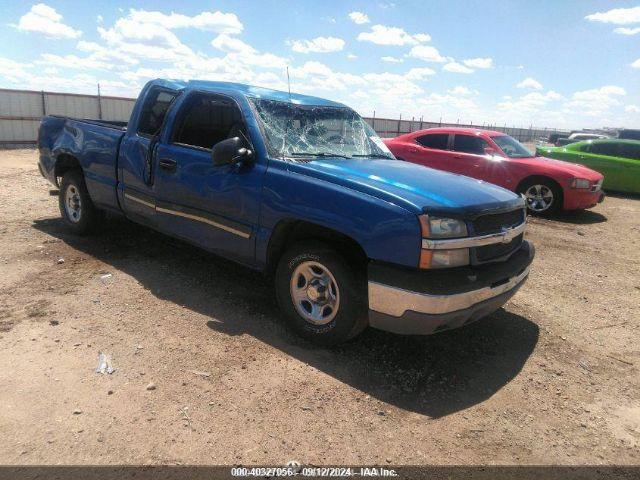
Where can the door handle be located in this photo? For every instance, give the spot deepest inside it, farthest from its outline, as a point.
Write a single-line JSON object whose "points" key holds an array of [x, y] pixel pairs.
{"points": [[457, 156], [168, 164], [413, 150]]}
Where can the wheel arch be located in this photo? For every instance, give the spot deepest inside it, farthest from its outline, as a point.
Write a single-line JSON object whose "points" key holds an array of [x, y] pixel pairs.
{"points": [[288, 231], [64, 163]]}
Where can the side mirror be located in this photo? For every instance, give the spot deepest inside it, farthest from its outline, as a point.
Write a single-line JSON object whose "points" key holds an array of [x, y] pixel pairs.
{"points": [[231, 150]]}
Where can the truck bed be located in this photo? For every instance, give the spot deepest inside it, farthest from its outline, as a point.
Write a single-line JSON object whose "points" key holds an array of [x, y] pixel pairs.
{"points": [[93, 144]]}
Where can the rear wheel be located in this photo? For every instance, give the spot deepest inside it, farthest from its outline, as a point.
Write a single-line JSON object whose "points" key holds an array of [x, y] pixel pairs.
{"points": [[324, 300], [542, 196], [76, 207]]}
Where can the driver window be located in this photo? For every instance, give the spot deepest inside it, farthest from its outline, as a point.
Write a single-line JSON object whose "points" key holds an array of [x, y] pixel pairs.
{"points": [[206, 120], [469, 144]]}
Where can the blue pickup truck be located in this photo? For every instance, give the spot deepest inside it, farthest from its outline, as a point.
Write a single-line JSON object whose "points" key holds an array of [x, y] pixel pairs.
{"points": [[303, 189]]}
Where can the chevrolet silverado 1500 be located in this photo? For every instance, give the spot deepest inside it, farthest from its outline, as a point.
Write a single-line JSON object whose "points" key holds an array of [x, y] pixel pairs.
{"points": [[304, 190]]}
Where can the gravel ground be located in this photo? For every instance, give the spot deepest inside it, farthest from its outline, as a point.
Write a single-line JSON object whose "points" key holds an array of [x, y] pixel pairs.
{"points": [[551, 378]]}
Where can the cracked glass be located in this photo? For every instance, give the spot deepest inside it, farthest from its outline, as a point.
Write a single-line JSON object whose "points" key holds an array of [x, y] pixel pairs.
{"points": [[308, 131]]}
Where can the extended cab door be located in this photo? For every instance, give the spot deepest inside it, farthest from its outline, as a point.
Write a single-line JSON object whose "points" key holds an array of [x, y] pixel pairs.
{"points": [[137, 151], [216, 207]]}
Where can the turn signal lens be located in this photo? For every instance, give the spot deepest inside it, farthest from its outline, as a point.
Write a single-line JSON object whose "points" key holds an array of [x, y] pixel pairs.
{"points": [[444, 258], [580, 183]]}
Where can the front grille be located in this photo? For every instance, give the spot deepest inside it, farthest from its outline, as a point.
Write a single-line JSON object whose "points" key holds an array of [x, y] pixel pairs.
{"points": [[495, 222], [497, 250]]}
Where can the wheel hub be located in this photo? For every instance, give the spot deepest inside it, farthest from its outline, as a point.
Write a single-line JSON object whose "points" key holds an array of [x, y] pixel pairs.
{"points": [[539, 198], [314, 292], [73, 203]]}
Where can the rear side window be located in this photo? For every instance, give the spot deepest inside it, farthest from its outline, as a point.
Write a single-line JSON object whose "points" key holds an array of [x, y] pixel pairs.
{"points": [[206, 120], [628, 150], [469, 144], [154, 110], [438, 141], [609, 149]]}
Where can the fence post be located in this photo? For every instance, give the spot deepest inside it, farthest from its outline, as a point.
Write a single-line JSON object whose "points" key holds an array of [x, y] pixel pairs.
{"points": [[399, 121], [99, 104], [44, 104], [420, 122]]}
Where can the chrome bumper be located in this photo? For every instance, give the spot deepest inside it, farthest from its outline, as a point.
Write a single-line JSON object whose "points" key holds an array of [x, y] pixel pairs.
{"points": [[402, 311]]}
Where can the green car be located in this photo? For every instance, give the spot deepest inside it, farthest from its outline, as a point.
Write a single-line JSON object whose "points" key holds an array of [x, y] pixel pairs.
{"points": [[618, 160]]}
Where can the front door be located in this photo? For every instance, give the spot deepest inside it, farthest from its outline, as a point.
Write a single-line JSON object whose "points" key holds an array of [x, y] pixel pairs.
{"points": [[136, 155], [468, 156], [216, 207]]}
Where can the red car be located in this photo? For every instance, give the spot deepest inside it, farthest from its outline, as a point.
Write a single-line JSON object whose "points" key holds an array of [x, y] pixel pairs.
{"points": [[548, 185]]}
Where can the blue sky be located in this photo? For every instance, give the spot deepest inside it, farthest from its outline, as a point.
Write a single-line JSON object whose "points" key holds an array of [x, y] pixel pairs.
{"points": [[547, 63]]}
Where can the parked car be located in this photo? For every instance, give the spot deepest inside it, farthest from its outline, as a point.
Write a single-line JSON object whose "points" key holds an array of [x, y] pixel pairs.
{"points": [[548, 185], [553, 137], [629, 134], [579, 136], [302, 189], [618, 160]]}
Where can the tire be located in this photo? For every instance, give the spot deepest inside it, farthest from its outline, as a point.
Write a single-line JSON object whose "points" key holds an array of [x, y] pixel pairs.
{"points": [[77, 209], [542, 196], [323, 298]]}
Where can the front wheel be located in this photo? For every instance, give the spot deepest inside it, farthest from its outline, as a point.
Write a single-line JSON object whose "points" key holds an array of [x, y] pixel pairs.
{"points": [[76, 207], [541, 196], [324, 300]]}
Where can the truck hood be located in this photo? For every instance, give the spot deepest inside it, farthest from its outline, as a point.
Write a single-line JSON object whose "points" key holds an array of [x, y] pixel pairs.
{"points": [[559, 166], [412, 186]]}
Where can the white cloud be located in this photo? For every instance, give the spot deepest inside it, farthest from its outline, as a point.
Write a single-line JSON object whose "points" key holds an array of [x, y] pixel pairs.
{"points": [[455, 67], [636, 64], [210, 21], [230, 44], [45, 20], [462, 91], [479, 62], [595, 102], [617, 16], [426, 53], [99, 19], [531, 83], [318, 45], [391, 59], [383, 35], [632, 109], [626, 30], [419, 74], [359, 18], [529, 103], [351, 56]]}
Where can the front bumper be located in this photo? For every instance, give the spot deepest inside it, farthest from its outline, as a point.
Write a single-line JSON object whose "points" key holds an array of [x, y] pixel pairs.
{"points": [[575, 199], [415, 302]]}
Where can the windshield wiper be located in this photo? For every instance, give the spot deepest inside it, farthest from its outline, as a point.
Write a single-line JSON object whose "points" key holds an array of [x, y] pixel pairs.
{"points": [[321, 154], [373, 155]]}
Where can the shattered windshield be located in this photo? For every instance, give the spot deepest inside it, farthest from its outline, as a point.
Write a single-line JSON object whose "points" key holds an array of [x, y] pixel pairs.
{"points": [[299, 131]]}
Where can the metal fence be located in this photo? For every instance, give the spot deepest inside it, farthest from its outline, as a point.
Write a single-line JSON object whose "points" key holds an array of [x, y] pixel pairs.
{"points": [[387, 128], [21, 111]]}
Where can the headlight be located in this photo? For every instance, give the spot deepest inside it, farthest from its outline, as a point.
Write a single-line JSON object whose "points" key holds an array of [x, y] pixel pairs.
{"points": [[444, 258], [442, 228], [580, 183], [434, 227]]}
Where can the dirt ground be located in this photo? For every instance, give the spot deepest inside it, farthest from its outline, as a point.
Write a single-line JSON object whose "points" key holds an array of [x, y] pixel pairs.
{"points": [[551, 378]]}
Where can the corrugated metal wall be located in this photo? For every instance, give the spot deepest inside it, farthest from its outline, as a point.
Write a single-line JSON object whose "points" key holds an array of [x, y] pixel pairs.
{"points": [[21, 110]]}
